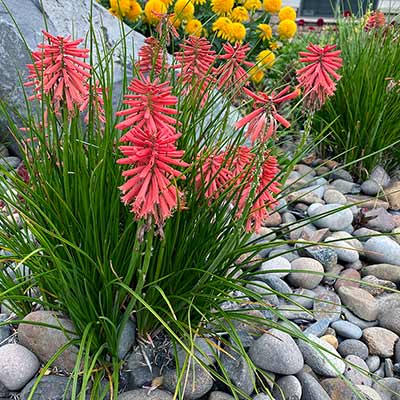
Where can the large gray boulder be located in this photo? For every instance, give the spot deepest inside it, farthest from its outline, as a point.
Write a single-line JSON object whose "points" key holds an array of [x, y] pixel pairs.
{"points": [[62, 18]]}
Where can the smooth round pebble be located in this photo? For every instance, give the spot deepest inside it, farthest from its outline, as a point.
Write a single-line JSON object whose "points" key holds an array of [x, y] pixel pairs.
{"points": [[331, 216], [357, 371], [353, 347], [312, 390], [333, 196], [220, 396], [370, 187], [278, 266], [332, 340], [388, 388], [312, 275], [348, 277], [359, 301], [327, 305], [373, 363], [276, 351], [198, 382], [303, 297], [390, 319], [287, 387], [326, 363], [347, 329], [318, 328], [18, 366], [382, 249], [369, 393], [337, 389], [380, 341]]}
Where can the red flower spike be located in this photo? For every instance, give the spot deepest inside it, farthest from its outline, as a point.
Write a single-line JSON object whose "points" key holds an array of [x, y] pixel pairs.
{"points": [[213, 176], [150, 188], [151, 57], [196, 60], [240, 159], [375, 21], [262, 122], [165, 27], [58, 72], [232, 74], [318, 77], [264, 194], [151, 151], [149, 107]]}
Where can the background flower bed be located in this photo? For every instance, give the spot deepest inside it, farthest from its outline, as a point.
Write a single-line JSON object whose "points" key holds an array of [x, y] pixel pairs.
{"points": [[109, 332]]}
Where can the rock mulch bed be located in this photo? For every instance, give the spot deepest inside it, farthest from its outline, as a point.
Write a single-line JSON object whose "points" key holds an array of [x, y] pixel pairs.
{"points": [[346, 323]]}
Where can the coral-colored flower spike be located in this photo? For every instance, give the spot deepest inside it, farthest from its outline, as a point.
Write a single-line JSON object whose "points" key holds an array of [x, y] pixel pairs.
{"points": [[151, 150], [196, 60], [213, 175], [58, 72], [375, 20], [150, 188], [165, 27], [152, 57], [231, 74], [318, 77], [264, 195], [263, 121], [149, 107]]}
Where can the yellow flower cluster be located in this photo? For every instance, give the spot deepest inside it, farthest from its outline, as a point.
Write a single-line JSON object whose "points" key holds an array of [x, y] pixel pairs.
{"points": [[287, 26], [194, 27], [265, 31], [226, 29], [229, 25], [287, 29], [252, 5], [222, 7], [157, 6], [129, 9], [272, 6], [184, 9]]}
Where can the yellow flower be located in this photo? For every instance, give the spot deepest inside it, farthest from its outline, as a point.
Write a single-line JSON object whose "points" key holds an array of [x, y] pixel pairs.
{"points": [[194, 27], [134, 12], [272, 6], [256, 75], [154, 5], [184, 9], [237, 32], [239, 14], [223, 27], [167, 2], [222, 6], [266, 58], [287, 13], [265, 31], [252, 5], [274, 45], [119, 8], [287, 29], [174, 20]]}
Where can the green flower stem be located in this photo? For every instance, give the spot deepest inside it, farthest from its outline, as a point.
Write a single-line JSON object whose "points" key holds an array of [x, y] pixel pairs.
{"points": [[142, 272]]}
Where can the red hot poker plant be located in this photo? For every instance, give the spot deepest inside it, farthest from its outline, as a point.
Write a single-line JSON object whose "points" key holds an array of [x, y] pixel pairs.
{"points": [[262, 122], [58, 72], [317, 78], [151, 151]]}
